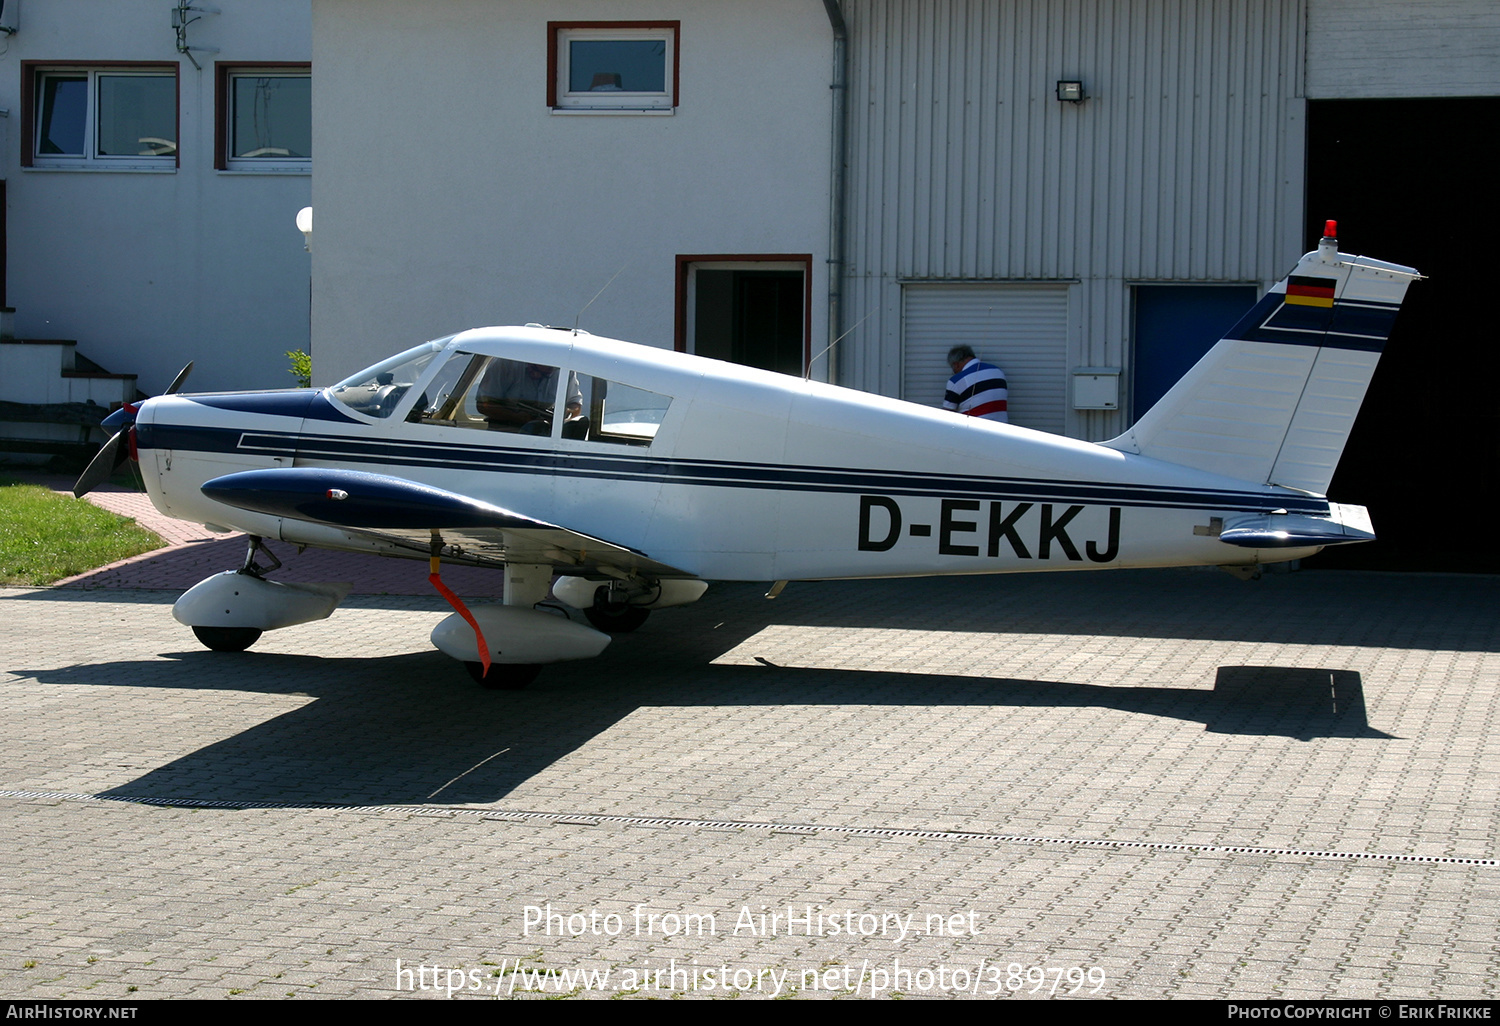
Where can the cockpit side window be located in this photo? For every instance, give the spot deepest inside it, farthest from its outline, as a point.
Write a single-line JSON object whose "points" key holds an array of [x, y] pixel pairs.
{"points": [[497, 394]]}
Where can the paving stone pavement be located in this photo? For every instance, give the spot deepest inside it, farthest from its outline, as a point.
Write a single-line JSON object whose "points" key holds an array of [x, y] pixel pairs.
{"points": [[1189, 785]]}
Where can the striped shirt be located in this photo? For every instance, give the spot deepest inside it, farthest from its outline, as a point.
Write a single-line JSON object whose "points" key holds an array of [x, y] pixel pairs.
{"points": [[979, 390]]}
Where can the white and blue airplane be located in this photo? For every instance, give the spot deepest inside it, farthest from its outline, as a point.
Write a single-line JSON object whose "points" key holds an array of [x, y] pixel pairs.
{"points": [[622, 478]]}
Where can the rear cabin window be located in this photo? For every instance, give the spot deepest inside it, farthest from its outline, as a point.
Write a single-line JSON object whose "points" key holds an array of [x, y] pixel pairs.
{"points": [[623, 414]]}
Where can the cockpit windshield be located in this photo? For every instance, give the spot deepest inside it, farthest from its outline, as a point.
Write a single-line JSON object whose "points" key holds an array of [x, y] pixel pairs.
{"points": [[377, 391]]}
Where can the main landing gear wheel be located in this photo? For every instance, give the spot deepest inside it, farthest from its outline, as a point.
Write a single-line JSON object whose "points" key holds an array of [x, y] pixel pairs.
{"points": [[616, 617], [504, 676], [227, 639]]}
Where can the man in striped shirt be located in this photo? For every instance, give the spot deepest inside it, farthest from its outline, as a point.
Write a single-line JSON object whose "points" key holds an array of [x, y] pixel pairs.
{"points": [[976, 389]]}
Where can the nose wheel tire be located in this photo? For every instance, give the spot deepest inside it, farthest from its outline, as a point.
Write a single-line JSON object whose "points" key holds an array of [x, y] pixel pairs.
{"points": [[227, 639], [504, 676]]}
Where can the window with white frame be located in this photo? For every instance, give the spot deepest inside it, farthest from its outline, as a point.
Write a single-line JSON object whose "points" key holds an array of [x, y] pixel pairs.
{"points": [[613, 66], [265, 118], [116, 117]]}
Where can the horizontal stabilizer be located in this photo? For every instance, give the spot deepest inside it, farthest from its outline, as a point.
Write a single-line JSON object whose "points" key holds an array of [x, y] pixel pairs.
{"points": [[1294, 531], [1274, 400]]}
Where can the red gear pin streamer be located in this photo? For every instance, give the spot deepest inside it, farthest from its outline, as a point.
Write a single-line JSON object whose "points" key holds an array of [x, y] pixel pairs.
{"points": [[462, 610]]}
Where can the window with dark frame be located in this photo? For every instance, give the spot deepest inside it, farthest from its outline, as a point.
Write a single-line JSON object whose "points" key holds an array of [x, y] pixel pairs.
{"points": [[104, 117], [264, 117], [625, 66], [753, 309]]}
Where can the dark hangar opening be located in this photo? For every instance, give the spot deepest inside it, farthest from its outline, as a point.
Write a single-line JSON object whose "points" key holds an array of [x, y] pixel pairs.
{"points": [[1407, 182]]}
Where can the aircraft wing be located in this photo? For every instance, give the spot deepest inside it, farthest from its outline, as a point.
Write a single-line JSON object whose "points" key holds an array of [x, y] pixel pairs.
{"points": [[407, 514]]}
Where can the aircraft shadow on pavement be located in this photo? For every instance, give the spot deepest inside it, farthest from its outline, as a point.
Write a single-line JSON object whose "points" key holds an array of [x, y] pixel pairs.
{"points": [[413, 729], [409, 729]]}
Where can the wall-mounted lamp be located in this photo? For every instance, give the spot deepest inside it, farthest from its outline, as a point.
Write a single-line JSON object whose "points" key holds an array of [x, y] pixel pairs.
{"points": [[1070, 91], [304, 225]]}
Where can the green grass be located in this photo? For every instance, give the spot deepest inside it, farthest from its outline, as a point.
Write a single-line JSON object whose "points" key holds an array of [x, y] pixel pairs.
{"points": [[45, 536]]}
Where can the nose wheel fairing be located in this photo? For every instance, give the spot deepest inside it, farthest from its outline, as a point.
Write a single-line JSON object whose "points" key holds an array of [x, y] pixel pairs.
{"points": [[235, 600]]}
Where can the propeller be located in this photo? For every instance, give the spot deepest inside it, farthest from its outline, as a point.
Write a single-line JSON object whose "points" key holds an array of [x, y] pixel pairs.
{"points": [[113, 453]]}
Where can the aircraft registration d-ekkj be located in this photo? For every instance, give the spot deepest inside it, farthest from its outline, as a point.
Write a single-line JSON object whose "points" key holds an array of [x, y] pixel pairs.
{"points": [[666, 471]]}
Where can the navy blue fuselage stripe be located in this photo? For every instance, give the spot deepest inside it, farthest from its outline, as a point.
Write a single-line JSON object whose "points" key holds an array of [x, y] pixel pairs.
{"points": [[445, 455], [290, 402]]}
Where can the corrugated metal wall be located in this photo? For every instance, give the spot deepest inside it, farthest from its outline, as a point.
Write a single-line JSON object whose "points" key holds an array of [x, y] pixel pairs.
{"points": [[1184, 164]]}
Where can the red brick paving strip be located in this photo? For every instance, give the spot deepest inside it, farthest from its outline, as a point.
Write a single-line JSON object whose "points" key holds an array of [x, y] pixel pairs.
{"points": [[193, 552]]}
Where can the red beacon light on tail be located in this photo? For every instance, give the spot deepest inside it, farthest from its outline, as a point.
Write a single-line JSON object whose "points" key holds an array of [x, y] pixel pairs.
{"points": [[1328, 245]]}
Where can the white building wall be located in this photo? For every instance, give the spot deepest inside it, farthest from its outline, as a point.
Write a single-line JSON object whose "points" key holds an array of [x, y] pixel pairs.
{"points": [[1184, 163], [148, 270], [448, 195], [1381, 49]]}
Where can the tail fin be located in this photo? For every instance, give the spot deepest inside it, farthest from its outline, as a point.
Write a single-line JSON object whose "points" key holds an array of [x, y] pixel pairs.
{"points": [[1274, 400]]}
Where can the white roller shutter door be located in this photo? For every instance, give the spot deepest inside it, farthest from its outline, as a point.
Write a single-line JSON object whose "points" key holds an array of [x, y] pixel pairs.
{"points": [[1022, 329]]}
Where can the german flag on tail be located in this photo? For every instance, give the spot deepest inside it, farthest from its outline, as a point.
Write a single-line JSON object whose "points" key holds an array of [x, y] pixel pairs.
{"points": [[1306, 290]]}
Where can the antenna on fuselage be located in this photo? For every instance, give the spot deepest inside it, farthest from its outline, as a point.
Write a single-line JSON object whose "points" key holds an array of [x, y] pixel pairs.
{"points": [[598, 294], [829, 346]]}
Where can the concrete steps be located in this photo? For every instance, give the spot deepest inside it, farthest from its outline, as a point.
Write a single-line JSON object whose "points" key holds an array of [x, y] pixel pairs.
{"points": [[52, 399]]}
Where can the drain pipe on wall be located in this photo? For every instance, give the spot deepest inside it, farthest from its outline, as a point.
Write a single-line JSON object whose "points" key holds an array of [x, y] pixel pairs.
{"points": [[839, 174]]}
